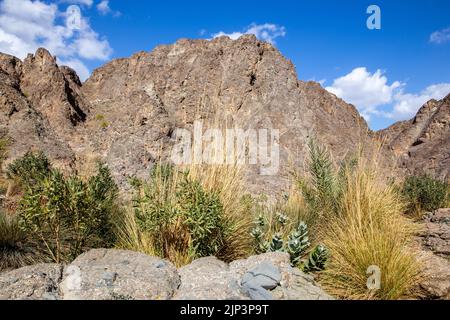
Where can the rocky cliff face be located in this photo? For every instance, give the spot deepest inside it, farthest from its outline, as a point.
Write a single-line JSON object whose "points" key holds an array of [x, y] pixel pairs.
{"points": [[38, 109], [422, 145], [126, 113], [246, 83]]}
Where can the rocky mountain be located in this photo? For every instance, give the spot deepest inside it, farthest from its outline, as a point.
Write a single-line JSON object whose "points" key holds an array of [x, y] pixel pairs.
{"points": [[128, 111], [422, 145]]}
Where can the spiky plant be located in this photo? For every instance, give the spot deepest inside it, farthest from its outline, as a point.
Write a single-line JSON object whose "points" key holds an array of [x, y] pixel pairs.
{"points": [[16, 248], [321, 190]]}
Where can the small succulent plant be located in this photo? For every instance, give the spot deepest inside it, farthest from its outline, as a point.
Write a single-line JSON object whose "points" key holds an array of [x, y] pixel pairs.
{"points": [[296, 244], [317, 260]]}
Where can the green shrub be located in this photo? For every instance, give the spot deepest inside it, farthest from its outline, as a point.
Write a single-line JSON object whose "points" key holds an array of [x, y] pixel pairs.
{"points": [[68, 215], [30, 169], [100, 117], [104, 124], [4, 144], [425, 193], [180, 218]]}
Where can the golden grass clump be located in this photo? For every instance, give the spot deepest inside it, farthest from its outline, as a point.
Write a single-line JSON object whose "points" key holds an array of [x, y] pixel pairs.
{"points": [[370, 229]]}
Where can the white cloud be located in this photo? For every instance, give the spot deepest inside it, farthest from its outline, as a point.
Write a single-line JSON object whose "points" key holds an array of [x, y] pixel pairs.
{"points": [[26, 25], [370, 92], [407, 104], [365, 90], [266, 32], [440, 36], [88, 3], [103, 7]]}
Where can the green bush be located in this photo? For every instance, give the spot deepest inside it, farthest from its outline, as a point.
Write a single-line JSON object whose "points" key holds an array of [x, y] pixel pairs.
{"points": [[30, 169], [67, 215], [4, 144], [182, 220], [425, 193]]}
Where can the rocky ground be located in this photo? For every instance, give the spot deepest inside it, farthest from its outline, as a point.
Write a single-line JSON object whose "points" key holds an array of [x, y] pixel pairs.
{"points": [[435, 240], [103, 274]]}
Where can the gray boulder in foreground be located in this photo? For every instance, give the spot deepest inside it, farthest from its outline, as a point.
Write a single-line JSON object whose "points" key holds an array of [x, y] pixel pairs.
{"points": [[107, 274], [103, 274], [264, 277], [38, 282]]}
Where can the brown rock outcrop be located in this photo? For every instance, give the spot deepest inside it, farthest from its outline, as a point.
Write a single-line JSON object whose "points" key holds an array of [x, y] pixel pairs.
{"points": [[422, 145]]}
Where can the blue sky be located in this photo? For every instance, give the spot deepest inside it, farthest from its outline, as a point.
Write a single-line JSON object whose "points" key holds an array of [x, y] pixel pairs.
{"points": [[388, 74]]}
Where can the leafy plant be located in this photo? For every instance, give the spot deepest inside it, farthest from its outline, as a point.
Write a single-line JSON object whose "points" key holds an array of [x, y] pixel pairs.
{"points": [[104, 124], [272, 237], [4, 144], [179, 219], [425, 193], [30, 169], [202, 213], [317, 260], [68, 215], [298, 243]]}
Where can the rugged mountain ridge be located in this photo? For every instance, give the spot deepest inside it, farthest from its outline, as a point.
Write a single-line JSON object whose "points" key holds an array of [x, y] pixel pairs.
{"points": [[422, 144], [248, 83], [126, 113]]}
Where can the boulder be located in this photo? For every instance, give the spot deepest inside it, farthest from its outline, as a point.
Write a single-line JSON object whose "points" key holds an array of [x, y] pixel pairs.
{"points": [[38, 282], [119, 275], [293, 284], [435, 284], [264, 277], [107, 274], [208, 279], [436, 232]]}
